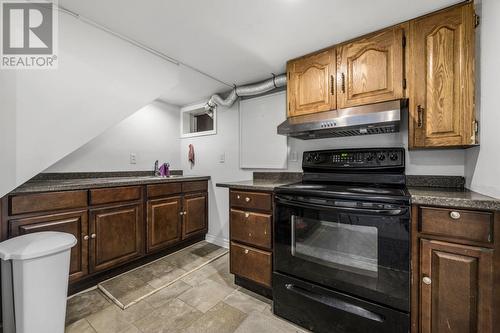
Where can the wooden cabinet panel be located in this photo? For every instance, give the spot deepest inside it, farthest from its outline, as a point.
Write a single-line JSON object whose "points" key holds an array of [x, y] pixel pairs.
{"points": [[250, 263], [198, 186], [251, 228], [370, 70], [455, 288], [470, 225], [40, 202], [311, 83], [251, 200], [159, 190], [441, 79], [75, 223], [117, 194], [116, 235], [163, 223], [195, 219]]}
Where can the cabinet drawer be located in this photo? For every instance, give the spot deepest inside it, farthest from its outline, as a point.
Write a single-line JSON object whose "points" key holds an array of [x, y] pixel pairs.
{"points": [[40, 202], [117, 194], [470, 225], [251, 228], [250, 263], [195, 186], [161, 190], [251, 200]]}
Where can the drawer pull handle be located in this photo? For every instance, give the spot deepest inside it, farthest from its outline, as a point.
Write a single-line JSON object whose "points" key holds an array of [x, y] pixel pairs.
{"points": [[86, 237], [247, 215], [247, 199], [93, 236], [427, 280], [246, 251], [455, 215]]}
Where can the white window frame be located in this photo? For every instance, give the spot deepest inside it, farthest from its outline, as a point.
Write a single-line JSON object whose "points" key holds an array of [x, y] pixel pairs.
{"points": [[190, 108]]}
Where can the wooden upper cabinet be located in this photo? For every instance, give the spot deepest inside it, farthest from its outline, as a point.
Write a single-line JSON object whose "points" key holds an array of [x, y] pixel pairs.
{"points": [[75, 223], [441, 79], [455, 288], [311, 83], [370, 69], [116, 235]]}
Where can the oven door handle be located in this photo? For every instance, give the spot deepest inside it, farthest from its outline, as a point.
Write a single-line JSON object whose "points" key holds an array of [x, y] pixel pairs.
{"points": [[390, 212], [336, 303]]}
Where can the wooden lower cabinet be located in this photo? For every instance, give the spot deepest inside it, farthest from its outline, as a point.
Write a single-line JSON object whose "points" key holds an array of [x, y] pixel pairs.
{"points": [[250, 230], [195, 214], [116, 235], [75, 223], [455, 287], [163, 223], [250, 263]]}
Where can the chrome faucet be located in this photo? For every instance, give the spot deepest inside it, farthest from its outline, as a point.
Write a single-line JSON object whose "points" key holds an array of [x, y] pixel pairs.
{"points": [[157, 169]]}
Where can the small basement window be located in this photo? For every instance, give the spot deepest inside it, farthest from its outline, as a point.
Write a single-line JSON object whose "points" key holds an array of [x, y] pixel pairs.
{"points": [[197, 121]]}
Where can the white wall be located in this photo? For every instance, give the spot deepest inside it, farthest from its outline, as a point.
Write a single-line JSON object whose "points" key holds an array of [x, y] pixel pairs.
{"points": [[152, 133], [208, 150], [483, 163], [7, 130], [100, 81]]}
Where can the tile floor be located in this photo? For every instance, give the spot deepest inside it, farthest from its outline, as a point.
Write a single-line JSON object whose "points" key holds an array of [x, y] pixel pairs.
{"points": [[204, 301]]}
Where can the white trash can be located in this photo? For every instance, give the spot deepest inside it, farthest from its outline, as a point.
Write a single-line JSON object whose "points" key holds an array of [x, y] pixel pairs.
{"points": [[35, 270]]}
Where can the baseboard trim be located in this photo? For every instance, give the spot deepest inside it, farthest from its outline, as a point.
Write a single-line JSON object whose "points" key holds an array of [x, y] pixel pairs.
{"points": [[217, 240]]}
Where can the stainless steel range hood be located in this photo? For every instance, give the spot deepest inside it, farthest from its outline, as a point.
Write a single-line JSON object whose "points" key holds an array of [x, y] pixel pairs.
{"points": [[360, 120]]}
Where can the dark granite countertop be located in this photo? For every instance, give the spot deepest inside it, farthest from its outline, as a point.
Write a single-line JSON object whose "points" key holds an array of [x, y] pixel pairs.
{"points": [[256, 184], [452, 197], [441, 191], [65, 184]]}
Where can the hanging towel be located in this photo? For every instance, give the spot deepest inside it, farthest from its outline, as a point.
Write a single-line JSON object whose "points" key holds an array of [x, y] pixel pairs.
{"points": [[191, 154]]}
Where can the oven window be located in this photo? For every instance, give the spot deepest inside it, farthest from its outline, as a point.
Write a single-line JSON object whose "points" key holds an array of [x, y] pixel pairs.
{"points": [[346, 247]]}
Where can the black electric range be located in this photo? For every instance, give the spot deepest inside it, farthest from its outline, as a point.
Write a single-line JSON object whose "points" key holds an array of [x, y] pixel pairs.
{"points": [[341, 243]]}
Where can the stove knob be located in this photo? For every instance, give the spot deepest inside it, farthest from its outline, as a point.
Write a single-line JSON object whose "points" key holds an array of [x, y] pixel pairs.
{"points": [[308, 158], [381, 157], [316, 158], [393, 156], [370, 157]]}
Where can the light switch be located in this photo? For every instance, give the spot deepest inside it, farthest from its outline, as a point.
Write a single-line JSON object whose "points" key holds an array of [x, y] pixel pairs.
{"points": [[222, 158], [133, 158]]}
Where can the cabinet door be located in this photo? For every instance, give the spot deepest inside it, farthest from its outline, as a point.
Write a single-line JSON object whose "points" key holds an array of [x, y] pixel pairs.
{"points": [[370, 70], [441, 79], [195, 214], [163, 223], [75, 223], [116, 235], [311, 86], [455, 288]]}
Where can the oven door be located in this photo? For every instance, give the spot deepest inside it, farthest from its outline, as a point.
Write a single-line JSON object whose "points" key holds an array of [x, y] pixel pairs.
{"points": [[359, 248]]}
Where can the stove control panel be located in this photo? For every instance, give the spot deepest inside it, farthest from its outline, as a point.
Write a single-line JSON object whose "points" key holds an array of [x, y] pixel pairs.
{"points": [[355, 158]]}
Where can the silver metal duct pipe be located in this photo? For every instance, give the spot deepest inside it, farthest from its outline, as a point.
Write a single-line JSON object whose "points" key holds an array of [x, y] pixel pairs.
{"points": [[248, 90]]}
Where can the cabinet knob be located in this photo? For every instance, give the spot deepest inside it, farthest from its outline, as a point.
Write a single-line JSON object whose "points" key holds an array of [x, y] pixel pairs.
{"points": [[238, 197], [455, 215], [247, 215], [427, 280], [93, 236], [86, 237], [181, 213], [247, 199], [246, 251], [185, 212]]}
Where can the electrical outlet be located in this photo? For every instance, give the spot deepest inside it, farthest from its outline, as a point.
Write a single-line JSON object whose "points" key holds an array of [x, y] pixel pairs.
{"points": [[294, 157], [222, 158], [133, 158]]}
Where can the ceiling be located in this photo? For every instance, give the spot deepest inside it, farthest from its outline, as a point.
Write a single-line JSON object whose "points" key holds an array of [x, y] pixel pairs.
{"points": [[242, 41]]}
